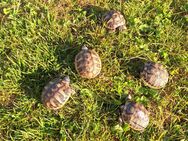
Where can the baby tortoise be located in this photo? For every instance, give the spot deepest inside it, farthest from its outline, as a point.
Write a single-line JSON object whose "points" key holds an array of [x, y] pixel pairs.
{"points": [[88, 63], [135, 115], [114, 20], [154, 75], [56, 93]]}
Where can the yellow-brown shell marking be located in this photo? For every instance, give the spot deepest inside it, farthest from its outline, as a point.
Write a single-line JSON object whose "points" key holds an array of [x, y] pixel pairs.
{"points": [[136, 115], [114, 19], [154, 75], [56, 93], [88, 63]]}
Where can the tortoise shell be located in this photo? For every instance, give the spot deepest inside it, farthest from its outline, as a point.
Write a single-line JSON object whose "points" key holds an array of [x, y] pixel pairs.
{"points": [[135, 115], [114, 20], [154, 75], [56, 93], [88, 63]]}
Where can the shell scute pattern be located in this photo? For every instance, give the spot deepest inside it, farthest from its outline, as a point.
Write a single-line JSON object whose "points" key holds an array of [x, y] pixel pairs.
{"points": [[114, 20], [154, 75], [56, 93], [136, 115], [88, 63]]}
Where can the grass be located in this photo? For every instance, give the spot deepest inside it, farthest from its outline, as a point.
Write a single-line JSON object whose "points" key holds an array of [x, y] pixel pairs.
{"points": [[38, 42]]}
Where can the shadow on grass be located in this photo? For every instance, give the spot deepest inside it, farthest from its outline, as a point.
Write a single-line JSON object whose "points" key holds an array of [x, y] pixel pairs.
{"points": [[95, 12], [87, 20], [134, 66], [33, 83], [65, 52]]}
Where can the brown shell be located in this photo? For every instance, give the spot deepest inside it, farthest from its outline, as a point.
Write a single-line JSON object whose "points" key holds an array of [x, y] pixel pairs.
{"points": [[56, 93], [154, 75], [114, 19], [88, 63], [135, 115]]}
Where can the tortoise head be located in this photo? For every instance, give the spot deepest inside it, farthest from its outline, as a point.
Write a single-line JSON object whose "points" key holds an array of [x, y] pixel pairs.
{"points": [[84, 48], [66, 79]]}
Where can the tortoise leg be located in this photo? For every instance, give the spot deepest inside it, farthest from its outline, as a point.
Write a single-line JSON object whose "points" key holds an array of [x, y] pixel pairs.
{"points": [[121, 28]]}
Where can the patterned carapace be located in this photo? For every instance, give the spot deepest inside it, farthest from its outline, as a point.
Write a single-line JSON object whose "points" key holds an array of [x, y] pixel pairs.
{"points": [[135, 115], [56, 93], [154, 75], [88, 63], [114, 20]]}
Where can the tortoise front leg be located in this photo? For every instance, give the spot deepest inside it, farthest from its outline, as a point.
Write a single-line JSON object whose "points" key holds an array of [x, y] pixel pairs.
{"points": [[121, 28]]}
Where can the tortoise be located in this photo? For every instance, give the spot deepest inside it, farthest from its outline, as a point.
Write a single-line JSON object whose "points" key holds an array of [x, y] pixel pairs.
{"points": [[154, 75], [135, 115], [88, 63], [56, 93], [114, 20]]}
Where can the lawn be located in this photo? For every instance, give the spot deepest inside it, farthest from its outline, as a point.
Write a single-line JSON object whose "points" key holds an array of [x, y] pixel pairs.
{"points": [[38, 42]]}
